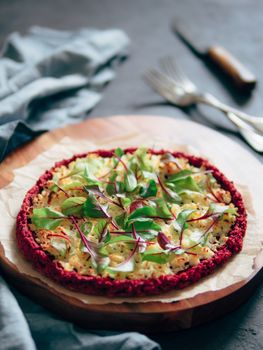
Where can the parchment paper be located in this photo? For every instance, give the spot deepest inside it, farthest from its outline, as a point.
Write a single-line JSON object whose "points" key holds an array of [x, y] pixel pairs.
{"points": [[239, 268]]}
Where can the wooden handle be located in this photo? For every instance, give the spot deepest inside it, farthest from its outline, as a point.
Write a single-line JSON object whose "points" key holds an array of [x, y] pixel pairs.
{"points": [[231, 66]]}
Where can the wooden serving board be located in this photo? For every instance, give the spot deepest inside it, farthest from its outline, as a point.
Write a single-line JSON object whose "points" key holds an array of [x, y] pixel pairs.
{"points": [[152, 316]]}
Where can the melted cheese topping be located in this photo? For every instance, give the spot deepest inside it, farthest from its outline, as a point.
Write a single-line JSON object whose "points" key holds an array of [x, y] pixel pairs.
{"points": [[117, 186]]}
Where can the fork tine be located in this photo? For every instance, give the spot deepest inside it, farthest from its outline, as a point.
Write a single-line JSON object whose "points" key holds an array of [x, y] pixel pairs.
{"points": [[158, 81], [174, 71], [168, 67]]}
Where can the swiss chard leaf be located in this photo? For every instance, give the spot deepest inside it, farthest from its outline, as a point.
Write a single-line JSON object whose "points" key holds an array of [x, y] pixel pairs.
{"points": [[221, 209], [181, 219], [162, 209], [60, 245], [47, 218], [73, 206], [171, 196], [128, 266], [72, 185], [121, 238], [142, 158], [130, 181], [187, 184], [155, 255], [94, 189], [143, 212], [183, 174], [143, 224], [100, 229], [86, 228], [111, 186], [168, 194], [89, 177], [121, 220], [150, 190], [93, 209]]}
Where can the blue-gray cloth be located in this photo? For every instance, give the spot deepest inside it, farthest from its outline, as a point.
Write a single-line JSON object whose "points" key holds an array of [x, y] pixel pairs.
{"points": [[51, 78], [35, 328]]}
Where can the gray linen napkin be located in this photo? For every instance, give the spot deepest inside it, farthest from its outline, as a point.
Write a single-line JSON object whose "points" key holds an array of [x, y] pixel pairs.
{"points": [[51, 78], [33, 328]]}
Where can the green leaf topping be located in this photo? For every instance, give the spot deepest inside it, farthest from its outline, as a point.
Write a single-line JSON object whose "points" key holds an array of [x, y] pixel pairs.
{"points": [[156, 255], [150, 190], [130, 181], [180, 223], [73, 206], [93, 209], [129, 199], [47, 218]]}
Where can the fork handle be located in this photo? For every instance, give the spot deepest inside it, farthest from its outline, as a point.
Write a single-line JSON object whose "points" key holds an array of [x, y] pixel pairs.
{"points": [[240, 75], [246, 121]]}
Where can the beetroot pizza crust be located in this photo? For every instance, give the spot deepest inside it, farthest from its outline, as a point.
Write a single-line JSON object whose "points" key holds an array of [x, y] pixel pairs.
{"points": [[106, 286]]}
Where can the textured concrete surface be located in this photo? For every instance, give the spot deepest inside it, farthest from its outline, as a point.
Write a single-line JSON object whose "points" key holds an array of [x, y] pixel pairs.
{"points": [[237, 25]]}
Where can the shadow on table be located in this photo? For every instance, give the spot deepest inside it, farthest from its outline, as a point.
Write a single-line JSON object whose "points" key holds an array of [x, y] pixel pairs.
{"points": [[241, 329]]}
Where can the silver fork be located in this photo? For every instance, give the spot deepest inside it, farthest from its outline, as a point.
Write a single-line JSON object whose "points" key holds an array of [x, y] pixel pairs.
{"points": [[178, 89], [185, 92]]}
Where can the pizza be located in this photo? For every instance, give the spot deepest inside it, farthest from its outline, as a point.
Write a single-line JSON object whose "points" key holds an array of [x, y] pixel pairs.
{"points": [[131, 222]]}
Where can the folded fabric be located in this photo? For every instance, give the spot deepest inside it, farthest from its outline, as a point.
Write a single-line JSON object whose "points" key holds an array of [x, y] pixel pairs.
{"points": [[51, 78], [48, 332]]}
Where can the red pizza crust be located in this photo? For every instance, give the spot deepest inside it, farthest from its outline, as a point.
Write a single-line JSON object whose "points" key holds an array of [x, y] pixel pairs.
{"points": [[46, 264]]}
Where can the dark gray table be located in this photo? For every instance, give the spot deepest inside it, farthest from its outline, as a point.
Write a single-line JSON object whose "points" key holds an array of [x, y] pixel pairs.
{"points": [[237, 25]]}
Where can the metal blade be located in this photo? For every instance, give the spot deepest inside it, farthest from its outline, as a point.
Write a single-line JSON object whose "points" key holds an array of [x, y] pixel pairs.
{"points": [[190, 37]]}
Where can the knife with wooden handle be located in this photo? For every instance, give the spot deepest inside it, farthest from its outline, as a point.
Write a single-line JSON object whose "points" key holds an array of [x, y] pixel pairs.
{"points": [[230, 65]]}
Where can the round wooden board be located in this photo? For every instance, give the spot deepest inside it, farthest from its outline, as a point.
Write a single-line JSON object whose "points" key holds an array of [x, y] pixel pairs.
{"points": [[154, 316]]}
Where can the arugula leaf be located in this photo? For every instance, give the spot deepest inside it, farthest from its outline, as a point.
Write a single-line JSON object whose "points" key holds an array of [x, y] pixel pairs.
{"points": [[93, 209], [130, 181], [150, 190], [47, 218], [155, 255], [73, 206]]}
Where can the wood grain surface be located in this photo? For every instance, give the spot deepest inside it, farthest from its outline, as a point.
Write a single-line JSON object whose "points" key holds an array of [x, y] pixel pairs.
{"points": [[147, 317]]}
